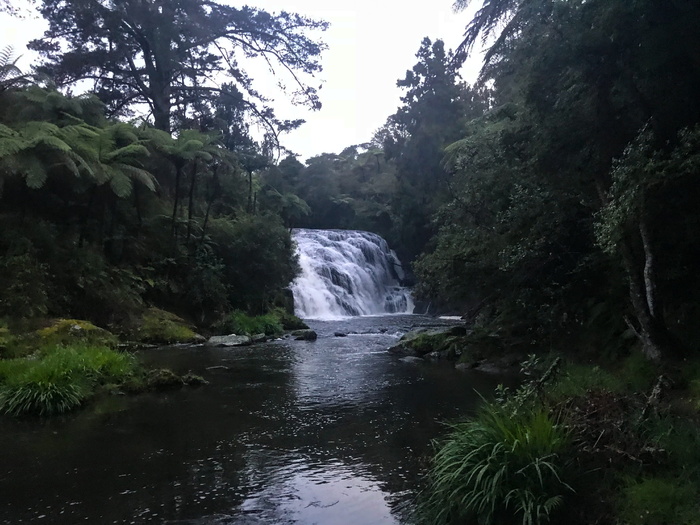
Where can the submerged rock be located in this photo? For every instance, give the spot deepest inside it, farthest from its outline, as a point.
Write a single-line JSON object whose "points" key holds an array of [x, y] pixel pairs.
{"points": [[229, 340], [340, 334], [305, 335]]}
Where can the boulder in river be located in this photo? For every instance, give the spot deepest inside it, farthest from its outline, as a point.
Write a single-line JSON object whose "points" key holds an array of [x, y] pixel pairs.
{"points": [[305, 335], [258, 338], [340, 334], [229, 340]]}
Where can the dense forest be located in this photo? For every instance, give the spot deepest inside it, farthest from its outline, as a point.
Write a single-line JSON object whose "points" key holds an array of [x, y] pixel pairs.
{"points": [[553, 202]]}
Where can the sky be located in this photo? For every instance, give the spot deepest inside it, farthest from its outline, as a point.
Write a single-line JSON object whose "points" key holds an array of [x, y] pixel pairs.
{"points": [[371, 45]]}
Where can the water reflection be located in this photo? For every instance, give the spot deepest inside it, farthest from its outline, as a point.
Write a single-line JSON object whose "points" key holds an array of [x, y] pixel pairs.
{"points": [[335, 431]]}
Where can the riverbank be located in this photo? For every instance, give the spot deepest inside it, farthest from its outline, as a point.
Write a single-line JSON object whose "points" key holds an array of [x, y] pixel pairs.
{"points": [[614, 441], [50, 367]]}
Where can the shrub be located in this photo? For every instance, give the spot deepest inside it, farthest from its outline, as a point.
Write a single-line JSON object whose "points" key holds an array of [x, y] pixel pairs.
{"points": [[289, 321], [498, 467], [241, 323]]}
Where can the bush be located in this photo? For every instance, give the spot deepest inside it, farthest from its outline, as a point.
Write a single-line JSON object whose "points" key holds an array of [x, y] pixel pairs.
{"points": [[60, 379], [241, 323], [289, 321], [496, 468]]}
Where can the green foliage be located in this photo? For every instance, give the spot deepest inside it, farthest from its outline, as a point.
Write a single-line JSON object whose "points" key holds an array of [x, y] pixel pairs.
{"points": [[60, 378], [23, 284], [239, 322], [660, 501], [184, 39], [499, 468], [288, 321], [258, 258]]}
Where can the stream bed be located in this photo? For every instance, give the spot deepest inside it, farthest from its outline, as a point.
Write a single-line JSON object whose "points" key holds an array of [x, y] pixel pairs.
{"points": [[331, 432]]}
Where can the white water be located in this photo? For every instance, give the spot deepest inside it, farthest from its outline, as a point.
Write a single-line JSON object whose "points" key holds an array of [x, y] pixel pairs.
{"points": [[347, 273]]}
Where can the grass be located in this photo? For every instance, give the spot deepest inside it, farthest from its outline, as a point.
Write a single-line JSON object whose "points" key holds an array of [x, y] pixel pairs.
{"points": [[498, 468], [660, 501], [60, 378], [576, 380]]}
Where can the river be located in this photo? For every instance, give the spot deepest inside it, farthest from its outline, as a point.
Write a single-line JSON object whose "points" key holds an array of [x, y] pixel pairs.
{"points": [[330, 432]]}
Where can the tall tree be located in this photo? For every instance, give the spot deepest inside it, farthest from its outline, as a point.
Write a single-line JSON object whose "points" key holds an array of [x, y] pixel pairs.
{"points": [[172, 53]]}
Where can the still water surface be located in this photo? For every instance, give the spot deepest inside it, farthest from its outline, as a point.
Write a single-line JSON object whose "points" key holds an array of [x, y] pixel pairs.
{"points": [[331, 432]]}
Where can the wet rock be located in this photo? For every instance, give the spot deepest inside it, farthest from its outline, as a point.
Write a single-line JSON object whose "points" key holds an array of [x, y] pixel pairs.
{"points": [[229, 340], [459, 330], [305, 335], [258, 338], [163, 378], [340, 334], [490, 368], [194, 380]]}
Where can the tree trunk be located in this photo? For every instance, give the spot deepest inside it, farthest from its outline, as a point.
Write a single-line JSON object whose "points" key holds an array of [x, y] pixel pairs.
{"points": [[210, 200], [657, 341], [161, 105], [250, 191], [190, 202], [173, 223]]}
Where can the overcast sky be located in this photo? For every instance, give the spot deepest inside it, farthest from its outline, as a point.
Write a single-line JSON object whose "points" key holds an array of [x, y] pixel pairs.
{"points": [[371, 44]]}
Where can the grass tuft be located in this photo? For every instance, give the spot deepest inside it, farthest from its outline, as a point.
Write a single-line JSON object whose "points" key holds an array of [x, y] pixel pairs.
{"points": [[497, 467], [59, 379]]}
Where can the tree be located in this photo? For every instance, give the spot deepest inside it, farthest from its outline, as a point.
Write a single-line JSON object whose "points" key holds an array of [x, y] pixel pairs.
{"points": [[168, 54], [435, 105]]}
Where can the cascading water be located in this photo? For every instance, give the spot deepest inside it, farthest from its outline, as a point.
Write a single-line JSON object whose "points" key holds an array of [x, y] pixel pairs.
{"points": [[346, 273]]}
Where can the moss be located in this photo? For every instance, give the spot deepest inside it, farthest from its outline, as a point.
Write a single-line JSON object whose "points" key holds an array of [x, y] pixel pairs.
{"points": [[69, 331], [161, 327], [163, 378]]}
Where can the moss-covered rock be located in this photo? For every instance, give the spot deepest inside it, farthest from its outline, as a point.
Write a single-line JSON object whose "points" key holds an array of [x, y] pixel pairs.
{"points": [[160, 327], [69, 331], [163, 378]]}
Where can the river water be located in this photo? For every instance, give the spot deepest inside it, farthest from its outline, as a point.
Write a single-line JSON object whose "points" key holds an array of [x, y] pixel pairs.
{"points": [[330, 432]]}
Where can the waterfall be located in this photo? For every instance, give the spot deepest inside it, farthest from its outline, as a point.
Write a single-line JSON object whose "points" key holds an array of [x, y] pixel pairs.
{"points": [[346, 273]]}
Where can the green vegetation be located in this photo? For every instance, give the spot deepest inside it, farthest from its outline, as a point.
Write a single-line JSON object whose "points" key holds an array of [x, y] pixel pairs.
{"points": [[497, 468], [659, 501], [60, 378], [273, 323]]}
